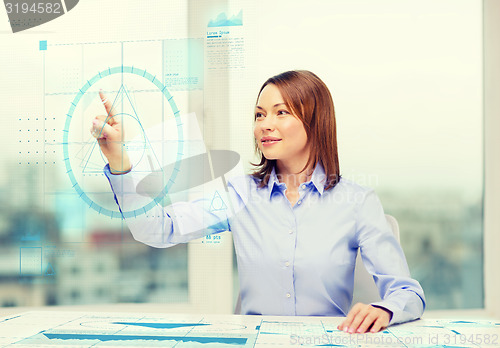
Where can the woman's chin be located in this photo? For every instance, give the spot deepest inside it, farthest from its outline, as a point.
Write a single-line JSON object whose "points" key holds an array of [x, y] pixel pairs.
{"points": [[270, 156]]}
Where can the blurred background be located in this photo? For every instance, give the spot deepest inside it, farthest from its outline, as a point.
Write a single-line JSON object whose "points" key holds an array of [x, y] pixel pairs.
{"points": [[407, 82]]}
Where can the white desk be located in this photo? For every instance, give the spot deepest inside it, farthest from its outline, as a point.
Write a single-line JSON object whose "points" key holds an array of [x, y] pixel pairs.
{"points": [[86, 329]]}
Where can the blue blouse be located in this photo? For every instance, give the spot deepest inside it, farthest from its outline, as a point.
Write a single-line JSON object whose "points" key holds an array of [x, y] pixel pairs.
{"points": [[292, 260]]}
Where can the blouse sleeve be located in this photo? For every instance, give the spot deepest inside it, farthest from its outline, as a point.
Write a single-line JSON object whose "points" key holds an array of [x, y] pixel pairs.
{"points": [[384, 259], [163, 227]]}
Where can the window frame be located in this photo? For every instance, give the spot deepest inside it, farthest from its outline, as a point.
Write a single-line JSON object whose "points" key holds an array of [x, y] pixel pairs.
{"points": [[491, 91]]}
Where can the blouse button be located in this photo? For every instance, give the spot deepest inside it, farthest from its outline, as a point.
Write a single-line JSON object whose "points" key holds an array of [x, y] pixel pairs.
{"points": [[290, 231], [287, 263], [304, 187], [299, 202], [288, 295]]}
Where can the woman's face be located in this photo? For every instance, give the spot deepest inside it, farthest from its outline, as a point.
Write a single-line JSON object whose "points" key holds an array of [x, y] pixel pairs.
{"points": [[280, 135]]}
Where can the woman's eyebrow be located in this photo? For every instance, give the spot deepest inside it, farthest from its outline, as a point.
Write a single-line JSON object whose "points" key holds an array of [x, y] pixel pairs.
{"points": [[275, 105]]}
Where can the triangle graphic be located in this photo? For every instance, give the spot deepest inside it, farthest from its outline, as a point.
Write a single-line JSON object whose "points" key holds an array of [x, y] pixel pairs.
{"points": [[90, 157], [49, 271], [217, 203]]}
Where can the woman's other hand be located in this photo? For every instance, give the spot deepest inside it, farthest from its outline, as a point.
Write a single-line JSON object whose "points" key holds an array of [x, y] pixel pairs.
{"points": [[108, 129], [365, 318]]}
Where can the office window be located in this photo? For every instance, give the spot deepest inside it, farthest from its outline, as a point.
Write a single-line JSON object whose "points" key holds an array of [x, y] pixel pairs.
{"points": [[55, 248], [406, 79]]}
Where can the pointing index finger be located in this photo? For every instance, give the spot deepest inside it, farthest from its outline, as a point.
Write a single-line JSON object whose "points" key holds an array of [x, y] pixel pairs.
{"points": [[107, 104]]}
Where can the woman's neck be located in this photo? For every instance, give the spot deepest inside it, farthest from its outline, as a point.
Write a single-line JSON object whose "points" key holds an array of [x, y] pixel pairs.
{"points": [[292, 174]]}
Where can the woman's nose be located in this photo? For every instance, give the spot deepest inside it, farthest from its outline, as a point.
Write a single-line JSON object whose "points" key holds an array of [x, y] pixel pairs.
{"points": [[267, 123]]}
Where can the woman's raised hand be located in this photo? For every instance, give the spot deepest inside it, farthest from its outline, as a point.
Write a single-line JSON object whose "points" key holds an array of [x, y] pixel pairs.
{"points": [[108, 129]]}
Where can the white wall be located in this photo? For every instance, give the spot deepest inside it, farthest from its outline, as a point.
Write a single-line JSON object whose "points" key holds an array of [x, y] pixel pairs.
{"points": [[492, 155]]}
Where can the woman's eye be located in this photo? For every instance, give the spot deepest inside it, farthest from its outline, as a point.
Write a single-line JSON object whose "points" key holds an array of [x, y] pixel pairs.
{"points": [[258, 115], [283, 112]]}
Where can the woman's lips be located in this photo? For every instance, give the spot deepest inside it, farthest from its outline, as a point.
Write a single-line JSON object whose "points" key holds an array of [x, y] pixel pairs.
{"points": [[270, 142]]}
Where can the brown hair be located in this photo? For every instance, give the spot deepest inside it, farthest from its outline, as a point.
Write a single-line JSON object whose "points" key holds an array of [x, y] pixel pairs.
{"points": [[310, 100]]}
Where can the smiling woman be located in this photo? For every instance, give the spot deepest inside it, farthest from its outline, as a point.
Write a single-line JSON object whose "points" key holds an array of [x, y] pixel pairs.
{"points": [[297, 108], [279, 134], [296, 256]]}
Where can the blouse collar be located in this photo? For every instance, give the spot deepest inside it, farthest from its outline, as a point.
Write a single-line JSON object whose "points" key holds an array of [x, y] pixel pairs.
{"points": [[318, 180]]}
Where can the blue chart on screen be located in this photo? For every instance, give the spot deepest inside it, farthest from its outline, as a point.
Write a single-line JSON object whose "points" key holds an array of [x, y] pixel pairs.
{"points": [[80, 329], [69, 170], [110, 338]]}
